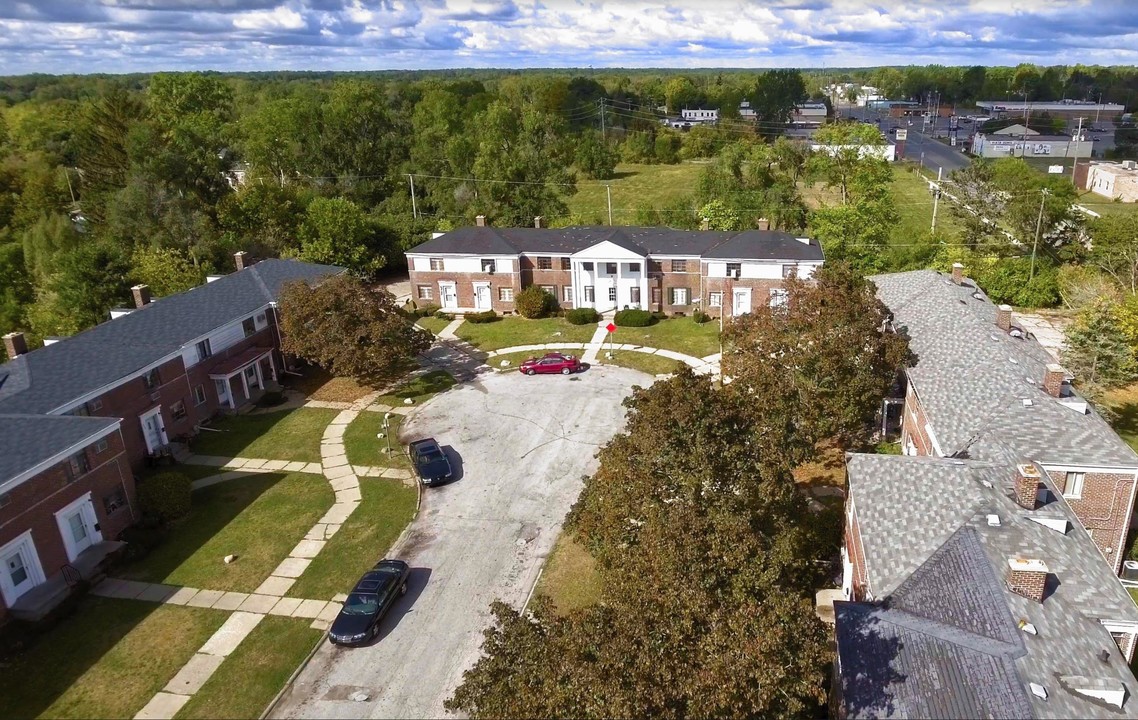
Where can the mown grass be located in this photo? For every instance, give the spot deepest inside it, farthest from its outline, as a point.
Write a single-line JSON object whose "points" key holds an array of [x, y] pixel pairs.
{"points": [[570, 578], [255, 672], [107, 660], [418, 389], [363, 447], [319, 384], [258, 518], [292, 435], [635, 187], [1106, 206], [511, 331], [434, 324], [651, 364], [683, 335]]}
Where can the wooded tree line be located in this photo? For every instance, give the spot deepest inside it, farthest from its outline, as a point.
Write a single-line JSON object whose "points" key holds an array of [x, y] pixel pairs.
{"points": [[707, 553]]}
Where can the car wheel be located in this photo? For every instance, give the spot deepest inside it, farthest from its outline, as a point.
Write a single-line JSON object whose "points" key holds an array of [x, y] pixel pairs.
{"points": [[530, 371], [403, 589], [565, 371]]}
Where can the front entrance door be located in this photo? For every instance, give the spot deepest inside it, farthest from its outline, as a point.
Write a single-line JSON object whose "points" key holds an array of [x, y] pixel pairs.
{"points": [[741, 304], [251, 376], [482, 297], [153, 430], [75, 525], [17, 573], [79, 526], [449, 295]]}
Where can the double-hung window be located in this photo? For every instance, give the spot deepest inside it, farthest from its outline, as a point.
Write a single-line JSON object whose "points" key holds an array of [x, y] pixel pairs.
{"points": [[1075, 482], [545, 263], [248, 326], [204, 350]]}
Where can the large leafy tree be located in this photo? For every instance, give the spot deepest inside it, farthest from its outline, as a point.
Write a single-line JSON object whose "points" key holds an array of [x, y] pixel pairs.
{"points": [[776, 93], [1098, 352], [821, 363], [349, 329], [336, 232], [1114, 248]]}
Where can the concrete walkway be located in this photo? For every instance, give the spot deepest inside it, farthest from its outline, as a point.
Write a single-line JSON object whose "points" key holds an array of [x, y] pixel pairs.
{"points": [[594, 345]]}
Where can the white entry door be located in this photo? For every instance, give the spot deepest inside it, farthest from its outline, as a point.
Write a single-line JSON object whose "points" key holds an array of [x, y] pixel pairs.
{"points": [[153, 430], [482, 297], [19, 568], [79, 526], [741, 301], [448, 294]]}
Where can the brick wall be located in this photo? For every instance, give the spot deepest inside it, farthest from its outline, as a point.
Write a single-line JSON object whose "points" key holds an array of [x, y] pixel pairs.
{"points": [[760, 292], [661, 280], [913, 425], [33, 504], [556, 277], [464, 286], [856, 554], [1102, 509], [199, 374]]}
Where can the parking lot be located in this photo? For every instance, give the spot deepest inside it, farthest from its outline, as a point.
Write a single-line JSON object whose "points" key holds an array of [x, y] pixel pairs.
{"points": [[520, 446]]}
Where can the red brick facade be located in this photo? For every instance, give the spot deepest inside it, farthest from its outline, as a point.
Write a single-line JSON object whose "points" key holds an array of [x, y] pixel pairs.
{"points": [[1103, 507], [915, 438], [856, 554], [32, 504]]}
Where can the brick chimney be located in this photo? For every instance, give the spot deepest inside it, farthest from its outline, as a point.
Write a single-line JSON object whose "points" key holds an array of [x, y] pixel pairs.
{"points": [[1027, 577], [539, 222], [480, 221], [764, 224], [1003, 316], [141, 295], [15, 344], [1027, 485], [241, 259], [705, 224], [1053, 377], [958, 273]]}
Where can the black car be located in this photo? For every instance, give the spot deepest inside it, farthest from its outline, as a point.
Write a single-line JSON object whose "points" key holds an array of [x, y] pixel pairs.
{"points": [[431, 463], [369, 601]]}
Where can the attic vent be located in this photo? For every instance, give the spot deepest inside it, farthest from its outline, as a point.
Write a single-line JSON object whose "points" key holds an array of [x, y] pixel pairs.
{"points": [[1104, 655], [978, 296], [994, 337], [1027, 402], [1016, 333], [1013, 361], [993, 520], [1077, 404], [1028, 627], [1111, 692], [1057, 523], [1038, 690]]}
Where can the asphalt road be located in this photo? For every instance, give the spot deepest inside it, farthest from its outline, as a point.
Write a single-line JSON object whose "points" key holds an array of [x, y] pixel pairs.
{"points": [[522, 445]]}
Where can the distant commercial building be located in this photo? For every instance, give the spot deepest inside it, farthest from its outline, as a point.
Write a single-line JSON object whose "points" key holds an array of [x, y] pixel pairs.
{"points": [[700, 116], [1069, 109], [1018, 141], [811, 113], [1115, 180]]}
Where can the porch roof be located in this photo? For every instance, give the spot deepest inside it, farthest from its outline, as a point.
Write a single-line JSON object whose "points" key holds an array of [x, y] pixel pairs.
{"points": [[231, 366]]}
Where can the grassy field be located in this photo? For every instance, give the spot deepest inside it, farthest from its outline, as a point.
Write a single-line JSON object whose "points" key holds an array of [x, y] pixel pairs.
{"points": [[250, 678], [651, 364], [570, 578], [285, 435], [105, 661], [915, 208], [1124, 402], [682, 335], [258, 518], [511, 331], [1104, 206], [386, 508], [634, 187], [434, 324], [418, 389], [364, 448]]}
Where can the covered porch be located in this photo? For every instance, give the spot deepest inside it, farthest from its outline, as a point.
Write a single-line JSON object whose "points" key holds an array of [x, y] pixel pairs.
{"points": [[610, 275], [250, 368], [86, 569]]}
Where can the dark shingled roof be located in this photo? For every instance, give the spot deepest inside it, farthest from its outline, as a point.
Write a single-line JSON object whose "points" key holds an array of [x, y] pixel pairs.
{"points": [[28, 440], [46, 379], [747, 245]]}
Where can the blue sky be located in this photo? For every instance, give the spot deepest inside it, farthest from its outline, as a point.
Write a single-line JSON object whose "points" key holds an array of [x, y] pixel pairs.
{"points": [[61, 36]]}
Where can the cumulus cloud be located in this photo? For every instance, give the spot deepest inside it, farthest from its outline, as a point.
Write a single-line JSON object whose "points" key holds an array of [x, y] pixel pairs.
{"points": [[147, 35]]}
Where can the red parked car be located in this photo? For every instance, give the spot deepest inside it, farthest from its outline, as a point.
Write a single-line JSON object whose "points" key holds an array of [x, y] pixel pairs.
{"points": [[551, 363]]}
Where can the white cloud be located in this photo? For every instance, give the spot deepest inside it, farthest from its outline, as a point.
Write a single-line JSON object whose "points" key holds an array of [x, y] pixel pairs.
{"points": [[280, 18]]}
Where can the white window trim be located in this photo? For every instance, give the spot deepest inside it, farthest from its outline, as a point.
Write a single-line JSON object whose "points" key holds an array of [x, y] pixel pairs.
{"points": [[715, 299], [26, 545], [87, 507], [1070, 494], [567, 294]]}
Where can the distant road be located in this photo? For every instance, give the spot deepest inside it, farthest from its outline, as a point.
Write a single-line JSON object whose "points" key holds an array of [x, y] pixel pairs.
{"points": [[936, 154]]}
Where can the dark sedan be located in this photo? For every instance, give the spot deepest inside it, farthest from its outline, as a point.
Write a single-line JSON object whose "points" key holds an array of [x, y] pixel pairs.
{"points": [[369, 601], [551, 363], [431, 463]]}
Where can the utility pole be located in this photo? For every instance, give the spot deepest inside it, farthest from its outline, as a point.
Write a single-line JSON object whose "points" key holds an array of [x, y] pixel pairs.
{"points": [[414, 209], [1038, 227], [603, 119], [1075, 158], [936, 197], [1098, 109], [608, 194]]}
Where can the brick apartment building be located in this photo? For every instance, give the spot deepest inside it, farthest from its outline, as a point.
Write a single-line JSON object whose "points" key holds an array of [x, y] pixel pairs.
{"points": [[659, 269], [81, 414]]}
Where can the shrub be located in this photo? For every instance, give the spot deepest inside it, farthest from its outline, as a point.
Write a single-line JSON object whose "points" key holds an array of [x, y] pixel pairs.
{"points": [[166, 496], [660, 315], [443, 315], [487, 316], [428, 310], [700, 317], [582, 316], [533, 302], [634, 318], [141, 538]]}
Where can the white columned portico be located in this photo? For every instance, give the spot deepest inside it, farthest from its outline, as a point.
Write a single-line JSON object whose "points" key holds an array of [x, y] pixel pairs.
{"points": [[617, 286]]}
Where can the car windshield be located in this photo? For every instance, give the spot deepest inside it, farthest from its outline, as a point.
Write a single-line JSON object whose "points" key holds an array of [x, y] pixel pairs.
{"points": [[357, 604]]}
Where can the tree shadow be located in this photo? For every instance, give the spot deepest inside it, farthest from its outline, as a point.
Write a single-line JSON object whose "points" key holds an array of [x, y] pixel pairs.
{"points": [[868, 649]]}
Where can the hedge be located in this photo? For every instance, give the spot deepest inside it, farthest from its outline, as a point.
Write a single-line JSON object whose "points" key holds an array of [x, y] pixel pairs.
{"points": [[478, 318], [533, 302], [633, 318], [165, 496], [582, 316]]}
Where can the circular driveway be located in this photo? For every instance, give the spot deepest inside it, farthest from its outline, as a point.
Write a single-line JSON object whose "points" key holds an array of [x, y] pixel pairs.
{"points": [[520, 446]]}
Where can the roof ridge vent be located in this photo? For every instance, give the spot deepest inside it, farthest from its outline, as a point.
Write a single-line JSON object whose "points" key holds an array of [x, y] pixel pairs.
{"points": [[1054, 521], [1109, 691], [1075, 403], [993, 520], [1027, 627]]}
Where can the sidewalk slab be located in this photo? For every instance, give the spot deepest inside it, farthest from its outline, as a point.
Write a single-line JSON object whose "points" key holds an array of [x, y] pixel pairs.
{"points": [[307, 549], [205, 598], [334, 461], [349, 495], [338, 513], [330, 611], [230, 601], [211, 460], [310, 609], [274, 585], [157, 593], [258, 604], [182, 596], [194, 674], [291, 567], [345, 481], [295, 467], [313, 468], [255, 464], [285, 606], [162, 706], [275, 465], [334, 470], [235, 629]]}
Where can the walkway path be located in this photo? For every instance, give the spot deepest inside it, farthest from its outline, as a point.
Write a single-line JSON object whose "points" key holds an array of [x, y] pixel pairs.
{"points": [[250, 608]]}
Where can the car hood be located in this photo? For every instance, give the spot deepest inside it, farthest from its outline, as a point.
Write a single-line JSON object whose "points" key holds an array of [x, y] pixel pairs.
{"points": [[348, 625], [435, 468]]}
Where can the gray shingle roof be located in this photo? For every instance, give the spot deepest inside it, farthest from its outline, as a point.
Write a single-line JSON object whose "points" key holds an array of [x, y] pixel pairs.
{"points": [[750, 244], [931, 557], [45, 379], [28, 440], [972, 378]]}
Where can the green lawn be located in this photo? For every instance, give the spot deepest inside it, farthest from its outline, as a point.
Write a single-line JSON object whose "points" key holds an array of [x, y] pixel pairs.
{"points": [[570, 578], [434, 324], [418, 389], [1105, 206], [259, 519], [285, 435], [682, 335], [915, 208], [364, 448], [105, 661], [651, 364], [387, 507], [193, 472], [511, 331], [250, 678], [1124, 402], [634, 187]]}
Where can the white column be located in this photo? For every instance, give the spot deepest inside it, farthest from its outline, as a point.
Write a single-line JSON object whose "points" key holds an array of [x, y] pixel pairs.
{"points": [[260, 376], [645, 297], [229, 393], [244, 383]]}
